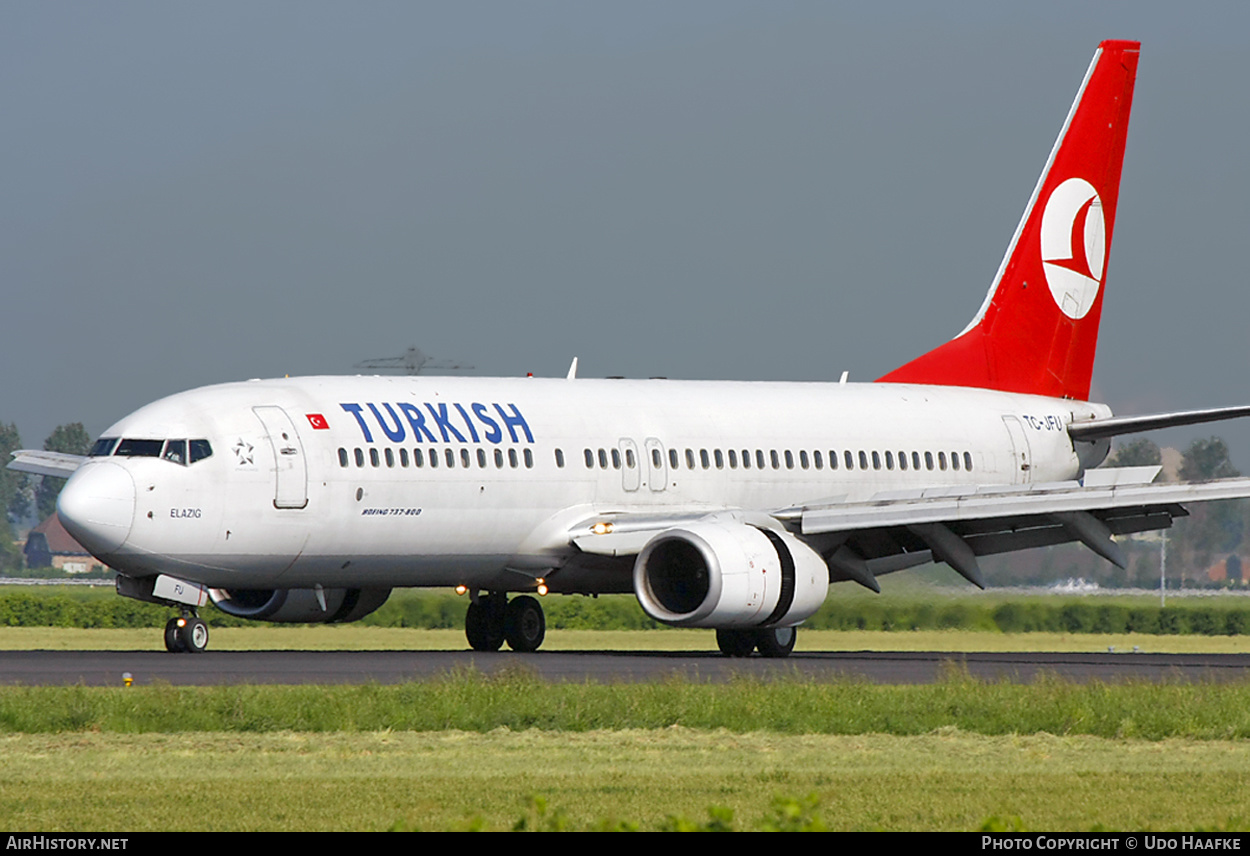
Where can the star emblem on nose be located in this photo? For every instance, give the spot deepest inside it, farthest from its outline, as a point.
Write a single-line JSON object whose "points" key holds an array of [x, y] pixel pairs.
{"points": [[243, 451]]}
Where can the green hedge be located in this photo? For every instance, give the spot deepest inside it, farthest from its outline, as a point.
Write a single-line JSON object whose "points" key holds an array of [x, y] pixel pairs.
{"points": [[423, 609]]}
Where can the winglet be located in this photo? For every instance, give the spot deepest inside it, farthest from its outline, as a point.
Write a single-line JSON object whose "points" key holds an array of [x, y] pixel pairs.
{"points": [[1037, 330]]}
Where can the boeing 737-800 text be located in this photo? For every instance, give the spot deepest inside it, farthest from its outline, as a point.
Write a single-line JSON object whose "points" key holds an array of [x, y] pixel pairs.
{"points": [[723, 505]]}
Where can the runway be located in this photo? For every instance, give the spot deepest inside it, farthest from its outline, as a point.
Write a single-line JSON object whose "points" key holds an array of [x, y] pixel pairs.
{"points": [[105, 668]]}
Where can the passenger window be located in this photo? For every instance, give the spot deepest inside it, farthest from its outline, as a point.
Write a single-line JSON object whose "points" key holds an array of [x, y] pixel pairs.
{"points": [[603, 460], [746, 459], [690, 459], [512, 462], [889, 460], [928, 460], [342, 457], [657, 460], [418, 458], [954, 460], [559, 458], [803, 458], [499, 459], [942, 461], [629, 459], [902, 460], [863, 460], [433, 458], [876, 460], [450, 455], [590, 459], [915, 461], [704, 459], [789, 460], [776, 461], [968, 461], [390, 458], [849, 459], [529, 459], [360, 458], [464, 458], [374, 458], [720, 459], [816, 459], [833, 459], [672, 458], [616, 459], [481, 459], [733, 459], [759, 459], [403, 458]]}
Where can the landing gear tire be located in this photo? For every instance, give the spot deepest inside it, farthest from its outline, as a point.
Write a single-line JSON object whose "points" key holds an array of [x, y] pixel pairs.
{"points": [[776, 642], [194, 636], [172, 643], [483, 625], [524, 625], [735, 643]]}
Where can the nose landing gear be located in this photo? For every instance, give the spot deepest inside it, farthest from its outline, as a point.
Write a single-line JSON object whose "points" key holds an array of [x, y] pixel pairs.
{"points": [[186, 634]]}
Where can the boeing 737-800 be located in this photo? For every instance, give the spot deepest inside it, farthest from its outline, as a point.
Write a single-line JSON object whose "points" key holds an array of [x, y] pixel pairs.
{"points": [[722, 505]]}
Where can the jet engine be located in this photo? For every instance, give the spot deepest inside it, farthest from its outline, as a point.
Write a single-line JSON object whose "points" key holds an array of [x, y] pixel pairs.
{"points": [[311, 606], [729, 575]]}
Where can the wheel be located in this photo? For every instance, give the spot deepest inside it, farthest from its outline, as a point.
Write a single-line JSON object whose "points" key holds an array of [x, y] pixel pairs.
{"points": [[524, 624], [193, 635], [735, 643], [482, 627], [776, 641], [173, 644]]}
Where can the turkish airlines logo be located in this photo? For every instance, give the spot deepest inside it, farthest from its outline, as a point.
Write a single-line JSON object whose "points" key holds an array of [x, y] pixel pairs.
{"points": [[1074, 246]]}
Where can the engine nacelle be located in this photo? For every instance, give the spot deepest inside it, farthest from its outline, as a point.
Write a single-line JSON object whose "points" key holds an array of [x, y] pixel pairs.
{"points": [[299, 605], [729, 575]]}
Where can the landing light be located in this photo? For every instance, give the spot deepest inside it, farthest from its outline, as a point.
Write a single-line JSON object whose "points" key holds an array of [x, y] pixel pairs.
{"points": [[461, 589], [602, 529]]}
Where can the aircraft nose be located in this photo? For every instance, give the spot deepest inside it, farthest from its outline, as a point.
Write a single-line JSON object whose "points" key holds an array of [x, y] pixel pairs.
{"points": [[97, 506]]}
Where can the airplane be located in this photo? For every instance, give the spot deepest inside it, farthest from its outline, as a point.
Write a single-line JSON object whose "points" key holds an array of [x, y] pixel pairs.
{"points": [[724, 505]]}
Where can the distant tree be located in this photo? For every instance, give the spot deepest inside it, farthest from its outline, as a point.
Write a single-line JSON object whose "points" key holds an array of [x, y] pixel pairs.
{"points": [[1207, 459], [1142, 452], [1212, 527], [71, 439], [11, 482]]}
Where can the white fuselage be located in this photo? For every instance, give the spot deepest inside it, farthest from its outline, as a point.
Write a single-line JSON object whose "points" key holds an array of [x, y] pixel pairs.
{"points": [[413, 481]]}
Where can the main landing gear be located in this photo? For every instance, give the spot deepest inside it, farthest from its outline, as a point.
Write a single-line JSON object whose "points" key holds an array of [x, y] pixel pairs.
{"points": [[774, 642], [493, 619], [186, 634]]}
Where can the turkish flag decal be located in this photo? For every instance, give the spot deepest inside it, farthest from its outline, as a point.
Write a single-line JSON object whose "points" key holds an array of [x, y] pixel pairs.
{"points": [[318, 421]]}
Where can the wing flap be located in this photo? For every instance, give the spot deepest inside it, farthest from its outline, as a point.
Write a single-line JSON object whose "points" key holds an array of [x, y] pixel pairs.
{"points": [[41, 463]]}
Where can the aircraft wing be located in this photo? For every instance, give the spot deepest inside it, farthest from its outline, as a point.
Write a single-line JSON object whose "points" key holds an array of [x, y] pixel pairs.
{"points": [[902, 529], [43, 463]]}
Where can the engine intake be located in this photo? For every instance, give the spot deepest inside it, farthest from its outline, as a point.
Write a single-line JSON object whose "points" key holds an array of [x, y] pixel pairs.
{"points": [[729, 575]]}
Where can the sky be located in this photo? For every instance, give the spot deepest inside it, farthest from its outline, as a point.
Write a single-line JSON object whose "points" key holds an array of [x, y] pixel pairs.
{"points": [[203, 192]]}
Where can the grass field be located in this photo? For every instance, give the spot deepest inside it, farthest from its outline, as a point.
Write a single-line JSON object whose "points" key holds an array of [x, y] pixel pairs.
{"points": [[457, 780], [356, 637]]}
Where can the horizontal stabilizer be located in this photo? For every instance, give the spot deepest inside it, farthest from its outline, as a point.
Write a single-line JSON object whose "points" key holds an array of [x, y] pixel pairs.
{"points": [[43, 463], [1099, 429]]}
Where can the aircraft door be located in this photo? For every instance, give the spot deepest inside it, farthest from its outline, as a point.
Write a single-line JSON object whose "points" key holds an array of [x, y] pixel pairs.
{"points": [[631, 469], [290, 468], [657, 469], [1022, 455]]}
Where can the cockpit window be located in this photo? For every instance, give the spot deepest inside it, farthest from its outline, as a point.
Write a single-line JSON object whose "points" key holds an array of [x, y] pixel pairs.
{"points": [[175, 451], [103, 447], [200, 449], [139, 448]]}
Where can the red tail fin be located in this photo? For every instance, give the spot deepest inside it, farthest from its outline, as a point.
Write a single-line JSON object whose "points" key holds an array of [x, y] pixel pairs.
{"points": [[1038, 328]]}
